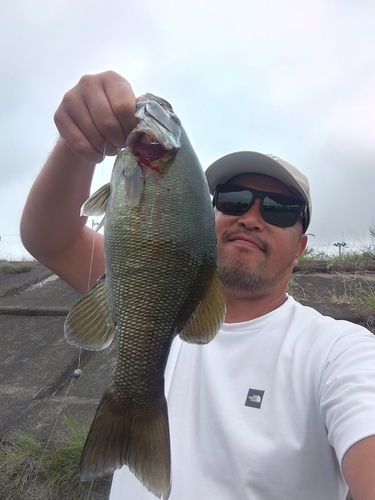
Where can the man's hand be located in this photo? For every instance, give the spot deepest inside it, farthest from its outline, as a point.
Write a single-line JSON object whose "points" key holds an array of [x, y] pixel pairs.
{"points": [[95, 117]]}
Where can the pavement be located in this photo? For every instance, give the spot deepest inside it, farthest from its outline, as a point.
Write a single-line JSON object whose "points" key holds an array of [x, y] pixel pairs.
{"points": [[36, 384], [331, 290]]}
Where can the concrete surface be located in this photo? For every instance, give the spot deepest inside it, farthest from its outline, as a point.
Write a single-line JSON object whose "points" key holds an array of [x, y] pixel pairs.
{"points": [[37, 387], [36, 384]]}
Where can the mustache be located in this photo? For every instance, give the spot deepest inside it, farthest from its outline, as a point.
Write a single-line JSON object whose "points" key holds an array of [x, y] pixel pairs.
{"points": [[246, 234]]}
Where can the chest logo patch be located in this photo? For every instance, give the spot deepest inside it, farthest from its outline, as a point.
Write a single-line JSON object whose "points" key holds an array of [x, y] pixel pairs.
{"points": [[254, 398]]}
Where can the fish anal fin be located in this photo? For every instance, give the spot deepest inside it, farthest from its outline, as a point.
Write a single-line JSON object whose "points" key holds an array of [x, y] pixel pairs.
{"points": [[208, 318], [89, 323], [97, 203], [126, 433]]}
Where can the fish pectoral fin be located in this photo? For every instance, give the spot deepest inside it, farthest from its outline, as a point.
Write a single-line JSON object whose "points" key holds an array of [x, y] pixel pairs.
{"points": [[208, 318], [124, 432], [89, 323], [97, 203], [134, 183]]}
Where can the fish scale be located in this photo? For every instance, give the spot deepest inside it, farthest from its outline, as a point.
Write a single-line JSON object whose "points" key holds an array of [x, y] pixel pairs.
{"points": [[161, 280]]}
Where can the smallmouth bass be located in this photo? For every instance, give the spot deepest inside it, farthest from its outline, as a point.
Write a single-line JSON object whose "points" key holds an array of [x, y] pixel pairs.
{"points": [[160, 281]]}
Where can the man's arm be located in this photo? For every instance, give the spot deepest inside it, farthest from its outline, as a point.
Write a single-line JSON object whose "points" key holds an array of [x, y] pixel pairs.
{"points": [[51, 227], [359, 469], [95, 116]]}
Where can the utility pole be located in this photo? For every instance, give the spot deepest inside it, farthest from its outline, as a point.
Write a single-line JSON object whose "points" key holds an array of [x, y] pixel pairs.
{"points": [[340, 245]]}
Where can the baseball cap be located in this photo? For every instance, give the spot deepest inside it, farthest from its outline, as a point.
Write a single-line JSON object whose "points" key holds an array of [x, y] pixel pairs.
{"points": [[251, 162]]}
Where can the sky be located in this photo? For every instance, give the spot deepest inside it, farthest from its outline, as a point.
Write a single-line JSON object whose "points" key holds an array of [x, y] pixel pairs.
{"points": [[295, 78]]}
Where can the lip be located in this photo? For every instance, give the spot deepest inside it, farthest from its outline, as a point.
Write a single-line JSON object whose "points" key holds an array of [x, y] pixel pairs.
{"points": [[246, 241]]}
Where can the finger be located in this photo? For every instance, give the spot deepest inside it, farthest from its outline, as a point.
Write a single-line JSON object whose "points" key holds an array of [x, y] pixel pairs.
{"points": [[76, 127], [112, 104], [78, 142], [123, 101], [96, 115]]}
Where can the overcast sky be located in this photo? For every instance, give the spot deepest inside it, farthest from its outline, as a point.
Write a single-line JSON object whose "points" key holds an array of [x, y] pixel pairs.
{"points": [[295, 78]]}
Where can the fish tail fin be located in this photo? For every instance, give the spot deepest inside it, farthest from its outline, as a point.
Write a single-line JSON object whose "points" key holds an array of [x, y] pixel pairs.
{"points": [[124, 432]]}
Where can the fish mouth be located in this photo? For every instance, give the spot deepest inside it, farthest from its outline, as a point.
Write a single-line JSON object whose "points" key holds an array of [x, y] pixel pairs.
{"points": [[158, 132], [148, 149], [157, 137]]}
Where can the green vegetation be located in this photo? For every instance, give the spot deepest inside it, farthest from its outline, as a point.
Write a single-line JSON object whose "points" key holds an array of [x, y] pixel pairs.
{"points": [[366, 253], [359, 294], [34, 470], [355, 290], [16, 267], [352, 282], [312, 255]]}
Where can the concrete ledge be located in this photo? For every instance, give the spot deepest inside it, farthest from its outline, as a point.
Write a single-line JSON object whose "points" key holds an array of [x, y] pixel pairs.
{"points": [[33, 311]]}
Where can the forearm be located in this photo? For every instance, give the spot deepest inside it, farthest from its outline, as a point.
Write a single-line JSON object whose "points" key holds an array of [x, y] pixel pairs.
{"points": [[52, 229], [51, 219], [359, 469]]}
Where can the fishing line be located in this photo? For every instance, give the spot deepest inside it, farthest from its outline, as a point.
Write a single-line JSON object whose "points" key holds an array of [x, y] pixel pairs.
{"points": [[104, 150], [88, 496], [52, 433], [94, 233], [91, 261], [76, 373]]}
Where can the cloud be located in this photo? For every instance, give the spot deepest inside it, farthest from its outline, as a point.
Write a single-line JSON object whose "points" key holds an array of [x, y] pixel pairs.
{"points": [[294, 78]]}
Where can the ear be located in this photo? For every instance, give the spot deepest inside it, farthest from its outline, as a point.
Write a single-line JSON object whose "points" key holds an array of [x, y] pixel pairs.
{"points": [[301, 246]]}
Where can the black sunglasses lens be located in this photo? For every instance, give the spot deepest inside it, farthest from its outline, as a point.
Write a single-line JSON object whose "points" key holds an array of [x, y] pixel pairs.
{"points": [[233, 202], [281, 212], [277, 209]]}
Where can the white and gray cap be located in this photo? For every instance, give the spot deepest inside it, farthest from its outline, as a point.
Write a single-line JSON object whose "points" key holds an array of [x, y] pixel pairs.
{"points": [[251, 162]]}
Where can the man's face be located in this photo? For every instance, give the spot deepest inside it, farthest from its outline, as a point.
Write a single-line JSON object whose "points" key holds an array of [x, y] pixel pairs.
{"points": [[255, 257]]}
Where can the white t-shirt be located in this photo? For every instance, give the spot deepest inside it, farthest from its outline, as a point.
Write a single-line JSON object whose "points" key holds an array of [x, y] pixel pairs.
{"points": [[267, 410]]}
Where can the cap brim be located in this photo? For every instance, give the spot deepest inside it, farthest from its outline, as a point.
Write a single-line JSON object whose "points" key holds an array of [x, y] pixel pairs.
{"points": [[247, 162]]}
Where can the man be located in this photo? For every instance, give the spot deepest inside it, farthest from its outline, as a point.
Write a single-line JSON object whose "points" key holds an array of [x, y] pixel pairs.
{"points": [[281, 405]]}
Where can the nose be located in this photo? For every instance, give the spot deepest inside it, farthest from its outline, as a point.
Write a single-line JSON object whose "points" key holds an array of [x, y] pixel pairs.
{"points": [[252, 218]]}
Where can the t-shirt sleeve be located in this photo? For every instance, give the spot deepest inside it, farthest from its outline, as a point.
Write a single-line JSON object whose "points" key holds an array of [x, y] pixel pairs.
{"points": [[347, 388]]}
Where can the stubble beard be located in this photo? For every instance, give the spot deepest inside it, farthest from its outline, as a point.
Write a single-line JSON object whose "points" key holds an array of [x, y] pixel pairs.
{"points": [[244, 278]]}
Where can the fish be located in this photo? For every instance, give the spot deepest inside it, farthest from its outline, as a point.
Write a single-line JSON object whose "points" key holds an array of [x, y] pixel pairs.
{"points": [[161, 280]]}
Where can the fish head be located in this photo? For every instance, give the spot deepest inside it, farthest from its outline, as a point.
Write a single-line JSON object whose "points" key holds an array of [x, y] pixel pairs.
{"points": [[156, 139]]}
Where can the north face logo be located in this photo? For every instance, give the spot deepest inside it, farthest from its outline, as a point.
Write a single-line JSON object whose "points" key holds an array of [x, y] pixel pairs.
{"points": [[254, 398]]}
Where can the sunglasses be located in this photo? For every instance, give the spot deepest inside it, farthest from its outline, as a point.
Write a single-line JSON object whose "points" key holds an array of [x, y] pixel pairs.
{"points": [[277, 209]]}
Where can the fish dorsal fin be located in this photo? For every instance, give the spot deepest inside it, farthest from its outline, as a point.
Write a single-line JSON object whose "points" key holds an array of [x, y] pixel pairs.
{"points": [[89, 323], [97, 203], [207, 320]]}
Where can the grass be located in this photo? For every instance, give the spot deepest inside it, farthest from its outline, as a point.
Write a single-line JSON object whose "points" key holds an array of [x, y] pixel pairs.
{"points": [[16, 267], [312, 255], [363, 300], [31, 469], [351, 285], [355, 286], [366, 253]]}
